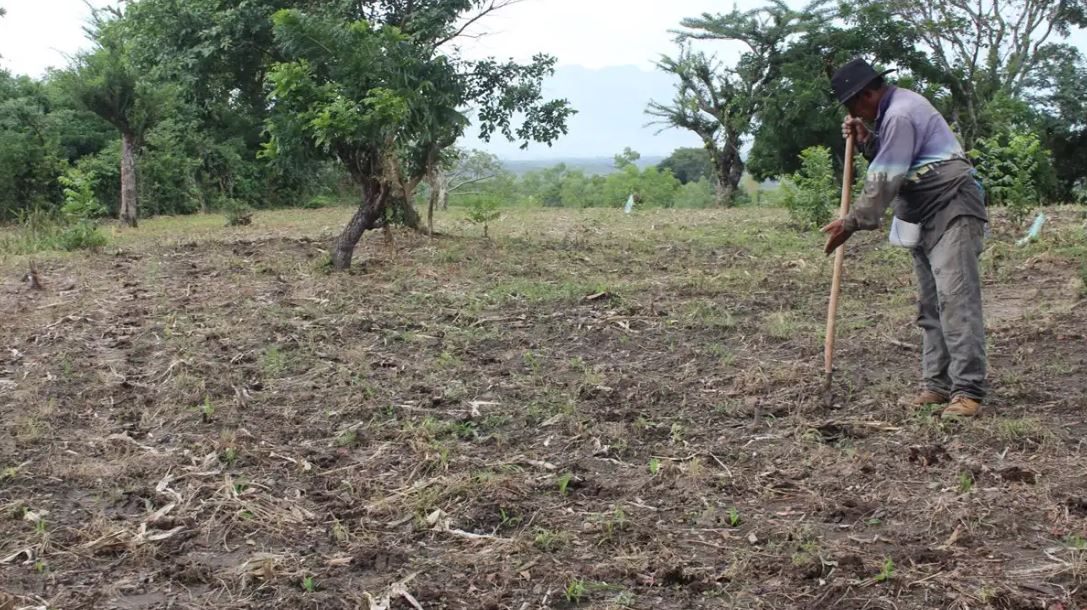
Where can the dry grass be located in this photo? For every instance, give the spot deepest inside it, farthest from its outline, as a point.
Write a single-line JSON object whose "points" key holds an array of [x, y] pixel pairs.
{"points": [[590, 410]]}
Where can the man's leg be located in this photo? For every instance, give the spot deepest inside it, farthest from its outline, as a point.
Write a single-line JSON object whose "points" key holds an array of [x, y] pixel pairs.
{"points": [[934, 355], [954, 263]]}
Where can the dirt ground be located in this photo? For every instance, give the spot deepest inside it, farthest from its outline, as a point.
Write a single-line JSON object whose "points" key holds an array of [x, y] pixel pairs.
{"points": [[589, 411]]}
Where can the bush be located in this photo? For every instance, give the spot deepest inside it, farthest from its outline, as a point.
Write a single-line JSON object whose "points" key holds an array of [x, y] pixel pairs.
{"points": [[1010, 165], [237, 213], [80, 201], [811, 194], [40, 230], [82, 235], [483, 211], [696, 194]]}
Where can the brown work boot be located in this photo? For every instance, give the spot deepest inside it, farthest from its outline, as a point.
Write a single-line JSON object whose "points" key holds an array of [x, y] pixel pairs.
{"points": [[961, 406], [926, 397]]}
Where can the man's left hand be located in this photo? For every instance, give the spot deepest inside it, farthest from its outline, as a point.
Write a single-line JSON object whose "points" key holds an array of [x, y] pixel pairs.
{"points": [[836, 235]]}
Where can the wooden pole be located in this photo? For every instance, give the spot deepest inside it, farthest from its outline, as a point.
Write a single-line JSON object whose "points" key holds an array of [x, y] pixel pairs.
{"points": [[836, 282]]}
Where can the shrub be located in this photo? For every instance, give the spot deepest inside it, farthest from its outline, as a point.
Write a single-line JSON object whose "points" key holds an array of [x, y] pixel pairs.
{"points": [[237, 213], [483, 210], [1009, 164], [82, 235], [80, 201], [810, 194], [695, 194]]}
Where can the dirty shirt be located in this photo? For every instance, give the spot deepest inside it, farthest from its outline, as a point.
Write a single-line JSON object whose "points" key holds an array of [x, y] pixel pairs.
{"points": [[918, 166]]}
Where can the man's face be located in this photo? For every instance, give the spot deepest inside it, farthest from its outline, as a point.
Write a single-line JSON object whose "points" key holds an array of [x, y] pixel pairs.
{"points": [[864, 105]]}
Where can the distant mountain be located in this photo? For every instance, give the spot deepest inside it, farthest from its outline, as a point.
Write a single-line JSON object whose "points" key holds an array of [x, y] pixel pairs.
{"points": [[611, 115], [601, 166]]}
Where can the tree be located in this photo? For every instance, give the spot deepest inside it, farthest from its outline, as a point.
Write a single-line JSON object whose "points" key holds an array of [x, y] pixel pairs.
{"points": [[216, 54], [720, 103], [30, 158], [688, 164], [459, 169], [106, 83], [798, 110], [376, 93], [985, 49], [627, 158]]}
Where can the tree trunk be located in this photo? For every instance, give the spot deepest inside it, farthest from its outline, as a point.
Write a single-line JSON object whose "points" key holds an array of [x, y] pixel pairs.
{"points": [[408, 214], [439, 196], [723, 188], [371, 209], [721, 192], [728, 170], [128, 179]]}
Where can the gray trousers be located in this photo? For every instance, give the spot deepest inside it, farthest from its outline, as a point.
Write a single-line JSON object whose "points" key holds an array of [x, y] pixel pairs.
{"points": [[953, 360]]}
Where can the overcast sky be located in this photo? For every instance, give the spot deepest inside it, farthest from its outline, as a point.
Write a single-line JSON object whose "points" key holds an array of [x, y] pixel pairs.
{"points": [[37, 34]]}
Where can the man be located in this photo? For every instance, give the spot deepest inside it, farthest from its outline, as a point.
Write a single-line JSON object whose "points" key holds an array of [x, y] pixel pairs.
{"points": [[918, 166]]}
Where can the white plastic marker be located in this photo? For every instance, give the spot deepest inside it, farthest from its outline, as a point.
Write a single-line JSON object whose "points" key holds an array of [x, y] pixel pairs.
{"points": [[630, 205], [1035, 230]]}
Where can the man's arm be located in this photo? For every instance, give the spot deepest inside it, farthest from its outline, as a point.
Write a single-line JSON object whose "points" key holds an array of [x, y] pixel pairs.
{"points": [[893, 156], [885, 175]]}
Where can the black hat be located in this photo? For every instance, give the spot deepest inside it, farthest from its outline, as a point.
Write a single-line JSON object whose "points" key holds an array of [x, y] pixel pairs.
{"points": [[851, 78]]}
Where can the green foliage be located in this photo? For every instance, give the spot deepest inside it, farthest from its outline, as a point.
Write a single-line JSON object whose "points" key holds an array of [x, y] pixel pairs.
{"points": [[734, 519], [810, 194], [697, 194], [40, 229], [564, 482], [654, 466], [1008, 164], [81, 235], [688, 165], [483, 212], [887, 572], [237, 213], [80, 201], [627, 158], [966, 482]]}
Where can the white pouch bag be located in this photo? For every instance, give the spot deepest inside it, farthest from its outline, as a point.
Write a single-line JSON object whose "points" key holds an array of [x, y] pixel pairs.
{"points": [[905, 234]]}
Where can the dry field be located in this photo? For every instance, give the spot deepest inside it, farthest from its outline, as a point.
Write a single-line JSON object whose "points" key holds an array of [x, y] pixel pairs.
{"points": [[589, 410]]}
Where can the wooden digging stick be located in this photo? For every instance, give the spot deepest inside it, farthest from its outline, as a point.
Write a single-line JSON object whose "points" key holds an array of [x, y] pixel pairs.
{"points": [[836, 283]]}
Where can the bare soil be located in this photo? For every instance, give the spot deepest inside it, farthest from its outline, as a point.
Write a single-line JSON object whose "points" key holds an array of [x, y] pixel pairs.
{"points": [[589, 411]]}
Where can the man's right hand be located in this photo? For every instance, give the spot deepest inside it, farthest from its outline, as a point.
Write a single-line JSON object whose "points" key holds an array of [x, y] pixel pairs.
{"points": [[856, 126]]}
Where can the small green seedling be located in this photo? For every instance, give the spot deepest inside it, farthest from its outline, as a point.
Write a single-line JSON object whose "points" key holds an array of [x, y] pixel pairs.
{"points": [[39, 527], [887, 572], [207, 410], [734, 519], [308, 584], [564, 482], [509, 518], [575, 591], [547, 540], [654, 466], [966, 482], [230, 455]]}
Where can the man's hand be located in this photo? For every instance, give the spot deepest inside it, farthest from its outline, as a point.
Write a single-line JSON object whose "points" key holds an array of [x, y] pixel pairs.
{"points": [[856, 126], [836, 235]]}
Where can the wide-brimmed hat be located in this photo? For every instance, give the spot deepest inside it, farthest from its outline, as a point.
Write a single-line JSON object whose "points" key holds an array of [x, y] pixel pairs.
{"points": [[853, 77]]}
